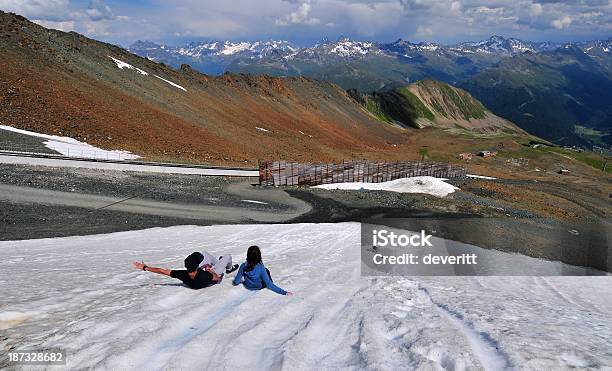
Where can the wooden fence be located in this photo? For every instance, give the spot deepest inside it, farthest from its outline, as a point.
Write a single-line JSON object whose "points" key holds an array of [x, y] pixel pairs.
{"points": [[281, 173]]}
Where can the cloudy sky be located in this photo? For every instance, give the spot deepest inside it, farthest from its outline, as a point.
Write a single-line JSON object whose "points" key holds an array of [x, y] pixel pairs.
{"points": [[306, 21]]}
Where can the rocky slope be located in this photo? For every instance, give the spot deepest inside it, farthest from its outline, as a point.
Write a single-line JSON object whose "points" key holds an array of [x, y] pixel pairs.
{"points": [[66, 84], [431, 103]]}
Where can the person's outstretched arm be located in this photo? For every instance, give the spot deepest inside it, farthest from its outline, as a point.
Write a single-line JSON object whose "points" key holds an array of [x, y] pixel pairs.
{"points": [[270, 284], [144, 267], [238, 277]]}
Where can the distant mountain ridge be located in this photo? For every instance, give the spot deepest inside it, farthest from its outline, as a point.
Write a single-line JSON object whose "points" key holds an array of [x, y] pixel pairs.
{"points": [[210, 57], [279, 57], [342, 47]]}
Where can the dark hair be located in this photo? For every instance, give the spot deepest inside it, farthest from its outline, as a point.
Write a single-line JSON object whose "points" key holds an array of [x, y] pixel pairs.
{"points": [[253, 257], [193, 261]]}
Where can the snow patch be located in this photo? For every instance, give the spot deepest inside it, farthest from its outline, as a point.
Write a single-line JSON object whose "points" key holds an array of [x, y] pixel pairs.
{"points": [[262, 129], [171, 83], [479, 176], [233, 48], [10, 319], [255, 202], [122, 65], [73, 148], [348, 48], [419, 184]]}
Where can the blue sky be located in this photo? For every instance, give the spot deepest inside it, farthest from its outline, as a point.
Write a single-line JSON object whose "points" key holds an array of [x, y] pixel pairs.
{"points": [[306, 21]]}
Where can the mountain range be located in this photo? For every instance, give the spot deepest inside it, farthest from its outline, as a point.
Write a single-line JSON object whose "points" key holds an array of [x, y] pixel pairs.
{"points": [[547, 88], [225, 52], [361, 65]]}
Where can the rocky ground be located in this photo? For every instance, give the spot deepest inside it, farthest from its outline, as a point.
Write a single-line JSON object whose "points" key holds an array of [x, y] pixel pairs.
{"points": [[11, 141]]}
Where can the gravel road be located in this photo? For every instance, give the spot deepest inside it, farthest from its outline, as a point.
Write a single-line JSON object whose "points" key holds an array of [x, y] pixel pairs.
{"points": [[38, 202]]}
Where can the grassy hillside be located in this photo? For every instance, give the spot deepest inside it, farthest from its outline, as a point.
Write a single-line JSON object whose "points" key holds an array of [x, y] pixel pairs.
{"points": [[448, 101], [432, 103]]}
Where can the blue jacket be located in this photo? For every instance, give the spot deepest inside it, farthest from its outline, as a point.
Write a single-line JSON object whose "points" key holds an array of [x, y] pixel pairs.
{"points": [[253, 279]]}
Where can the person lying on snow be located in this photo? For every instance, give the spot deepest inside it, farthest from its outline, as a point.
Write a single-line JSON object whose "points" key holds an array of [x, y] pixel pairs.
{"points": [[256, 275], [201, 269]]}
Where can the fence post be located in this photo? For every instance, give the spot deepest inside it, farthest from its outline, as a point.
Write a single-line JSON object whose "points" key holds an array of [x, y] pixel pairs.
{"points": [[260, 173]]}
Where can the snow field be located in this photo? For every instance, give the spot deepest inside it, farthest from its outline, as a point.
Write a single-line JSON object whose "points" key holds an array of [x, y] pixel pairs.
{"points": [[82, 295], [474, 176], [171, 83], [121, 65], [418, 184], [73, 148]]}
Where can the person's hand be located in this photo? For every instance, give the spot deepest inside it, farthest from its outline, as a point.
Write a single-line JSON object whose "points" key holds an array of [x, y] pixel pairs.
{"points": [[289, 293], [138, 265], [206, 266]]}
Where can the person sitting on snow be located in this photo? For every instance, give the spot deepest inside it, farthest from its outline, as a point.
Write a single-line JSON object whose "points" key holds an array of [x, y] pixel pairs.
{"points": [[201, 269], [254, 275]]}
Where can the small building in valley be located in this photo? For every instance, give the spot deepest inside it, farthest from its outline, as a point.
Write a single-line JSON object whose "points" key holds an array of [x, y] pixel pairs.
{"points": [[487, 153]]}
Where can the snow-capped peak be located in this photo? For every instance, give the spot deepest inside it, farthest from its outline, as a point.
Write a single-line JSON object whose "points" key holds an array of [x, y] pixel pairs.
{"points": [[403, 47], [230, 48], [504, 46], [225, 48], [346, 48], [599, 46]]}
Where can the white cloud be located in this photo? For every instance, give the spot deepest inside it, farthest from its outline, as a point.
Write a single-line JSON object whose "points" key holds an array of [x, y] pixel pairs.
{"points": [[536, 9], [65, 26], [98, 10], [377, 20], [51, 10], [562, 22], [424, 31], [300, 16]]}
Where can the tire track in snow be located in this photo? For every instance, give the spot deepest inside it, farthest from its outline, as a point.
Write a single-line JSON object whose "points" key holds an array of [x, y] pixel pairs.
{"points": [[485, 348], [558, 293], [168, 348], [271, 359]]}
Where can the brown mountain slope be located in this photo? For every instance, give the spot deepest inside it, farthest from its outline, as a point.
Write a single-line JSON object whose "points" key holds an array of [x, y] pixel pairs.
{"points": [[66, 84]]}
